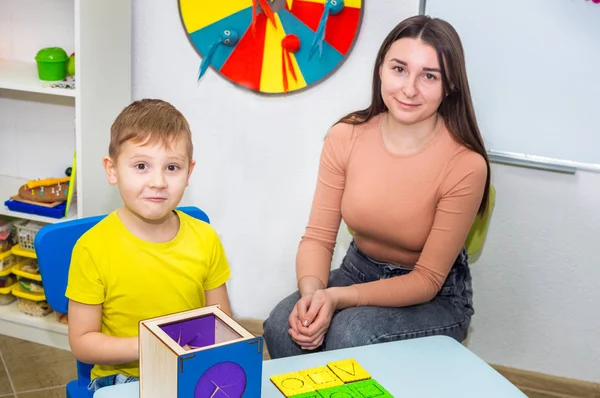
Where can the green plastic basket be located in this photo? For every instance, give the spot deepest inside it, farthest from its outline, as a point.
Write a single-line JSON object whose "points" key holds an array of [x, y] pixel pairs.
{"points": [[52, 63]]}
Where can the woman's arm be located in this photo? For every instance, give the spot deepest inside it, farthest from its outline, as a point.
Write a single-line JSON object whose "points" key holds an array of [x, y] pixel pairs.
{"points": [[315, 251], [461, 195], [90, 345]]}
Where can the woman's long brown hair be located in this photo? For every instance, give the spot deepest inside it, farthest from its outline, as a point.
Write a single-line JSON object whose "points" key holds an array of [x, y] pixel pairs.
{"points": [[456, 107]]}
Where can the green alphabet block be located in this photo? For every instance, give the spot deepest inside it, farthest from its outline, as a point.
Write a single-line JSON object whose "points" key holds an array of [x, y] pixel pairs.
{"points": [[337, 392], [369, 389]]}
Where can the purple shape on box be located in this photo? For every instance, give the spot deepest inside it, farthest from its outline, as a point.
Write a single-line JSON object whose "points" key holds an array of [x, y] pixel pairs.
{"points": [[198, 332], [224, 379]]}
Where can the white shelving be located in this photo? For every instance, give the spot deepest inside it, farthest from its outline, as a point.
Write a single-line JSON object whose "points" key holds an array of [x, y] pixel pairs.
{"points": [[9, 186], [22, 76], [103, 89], [45, 330]]}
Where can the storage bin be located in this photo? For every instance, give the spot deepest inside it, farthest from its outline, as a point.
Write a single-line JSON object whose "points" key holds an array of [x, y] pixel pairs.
{"points": [[34, 308], [7, 280], [6, 277], [7, 238], [5, 227], [7, 283], [6, 298], [27, 268], [26, 234], [30, 285], [7, 260], [34, 304]]}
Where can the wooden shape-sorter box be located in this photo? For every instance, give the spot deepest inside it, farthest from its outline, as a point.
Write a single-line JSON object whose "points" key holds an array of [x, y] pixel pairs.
{"points": [[201, 353]]}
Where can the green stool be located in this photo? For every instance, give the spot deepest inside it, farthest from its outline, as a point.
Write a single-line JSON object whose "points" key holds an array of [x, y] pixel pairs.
{"points": [[476, 237]]}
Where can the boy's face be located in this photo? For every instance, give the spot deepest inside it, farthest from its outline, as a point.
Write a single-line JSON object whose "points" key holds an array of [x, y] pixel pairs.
{"points": [[151, 179]]}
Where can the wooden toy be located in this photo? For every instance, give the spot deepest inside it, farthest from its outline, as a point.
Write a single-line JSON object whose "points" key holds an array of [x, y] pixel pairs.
{"points": [[345, 378], [52, 191], [199, 353]]}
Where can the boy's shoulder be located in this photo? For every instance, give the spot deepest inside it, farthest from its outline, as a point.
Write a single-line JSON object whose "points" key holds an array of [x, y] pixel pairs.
{"points": [[98, 234], [196, 226]]}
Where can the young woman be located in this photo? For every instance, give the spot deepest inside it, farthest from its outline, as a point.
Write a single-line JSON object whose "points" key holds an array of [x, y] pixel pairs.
{"points": [[408, 175]]}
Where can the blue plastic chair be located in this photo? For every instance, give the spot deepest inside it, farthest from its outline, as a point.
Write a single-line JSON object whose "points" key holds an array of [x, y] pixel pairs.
{"points": [[53, 245]]}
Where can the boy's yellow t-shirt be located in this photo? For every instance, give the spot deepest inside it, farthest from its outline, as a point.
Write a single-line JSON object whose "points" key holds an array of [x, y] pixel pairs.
{"points": [[135, 280]]}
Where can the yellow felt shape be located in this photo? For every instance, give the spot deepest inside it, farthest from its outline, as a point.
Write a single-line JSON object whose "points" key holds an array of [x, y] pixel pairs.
{"points": [[321, 377], [292, 384], [348, 370]]}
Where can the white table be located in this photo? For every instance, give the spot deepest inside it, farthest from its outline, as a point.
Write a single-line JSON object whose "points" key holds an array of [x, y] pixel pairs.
{"points": [[428, 367]]}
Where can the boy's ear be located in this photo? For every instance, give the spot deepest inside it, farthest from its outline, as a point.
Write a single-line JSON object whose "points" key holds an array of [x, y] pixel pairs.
{"points": [[109, 167], [192, 165]]}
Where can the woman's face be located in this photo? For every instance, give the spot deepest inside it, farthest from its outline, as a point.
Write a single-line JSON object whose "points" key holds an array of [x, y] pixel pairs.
{"points": [[411, 81]]}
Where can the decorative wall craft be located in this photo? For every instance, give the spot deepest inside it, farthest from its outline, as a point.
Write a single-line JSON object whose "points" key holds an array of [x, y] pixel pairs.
{"points": [[272, 46]]}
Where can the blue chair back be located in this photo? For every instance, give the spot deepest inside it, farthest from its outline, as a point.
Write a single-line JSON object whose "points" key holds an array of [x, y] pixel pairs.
{"points": [[54, 245]]}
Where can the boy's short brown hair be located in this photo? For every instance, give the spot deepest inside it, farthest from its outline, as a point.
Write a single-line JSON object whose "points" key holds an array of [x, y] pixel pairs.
{"points": [[149, 121]]}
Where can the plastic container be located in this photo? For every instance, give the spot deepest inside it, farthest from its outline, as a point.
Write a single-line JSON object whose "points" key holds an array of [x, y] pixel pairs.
{"points": [[57, 211], [5, 227], [34, 304], [26, 234], [28, 268], [34, 308], [7, 278], [52, 63], [6, 236], [7, 283], [6, 299], [30, 285], [7, 260]]}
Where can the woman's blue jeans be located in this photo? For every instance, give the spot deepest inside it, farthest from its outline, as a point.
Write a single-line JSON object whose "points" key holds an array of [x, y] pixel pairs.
{"points": [[449, 313]]}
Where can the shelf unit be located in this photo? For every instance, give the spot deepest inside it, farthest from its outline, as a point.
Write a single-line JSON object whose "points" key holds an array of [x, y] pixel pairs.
{"points": [[22, 76], [45, 330], [101, 40]]}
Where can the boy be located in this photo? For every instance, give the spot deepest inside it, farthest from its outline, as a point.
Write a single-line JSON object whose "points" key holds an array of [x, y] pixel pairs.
{"points": [[145, 259]]}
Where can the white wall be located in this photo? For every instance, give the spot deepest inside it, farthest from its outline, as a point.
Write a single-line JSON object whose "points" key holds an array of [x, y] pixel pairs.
{"points": [[26, 26], [536, 282], [257, 162]]}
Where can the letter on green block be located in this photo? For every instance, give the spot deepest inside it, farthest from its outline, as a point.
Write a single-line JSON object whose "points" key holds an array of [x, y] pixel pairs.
{"points": [[369, 389], [337, 392], [312, 394]]}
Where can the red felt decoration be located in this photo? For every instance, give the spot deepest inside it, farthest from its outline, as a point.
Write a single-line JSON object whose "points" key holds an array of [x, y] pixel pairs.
{"points": [[264, 5], [289, 44]]}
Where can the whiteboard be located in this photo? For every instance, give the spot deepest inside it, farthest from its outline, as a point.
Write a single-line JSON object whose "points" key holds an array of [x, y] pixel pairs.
{"points": [[534, 72]]}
